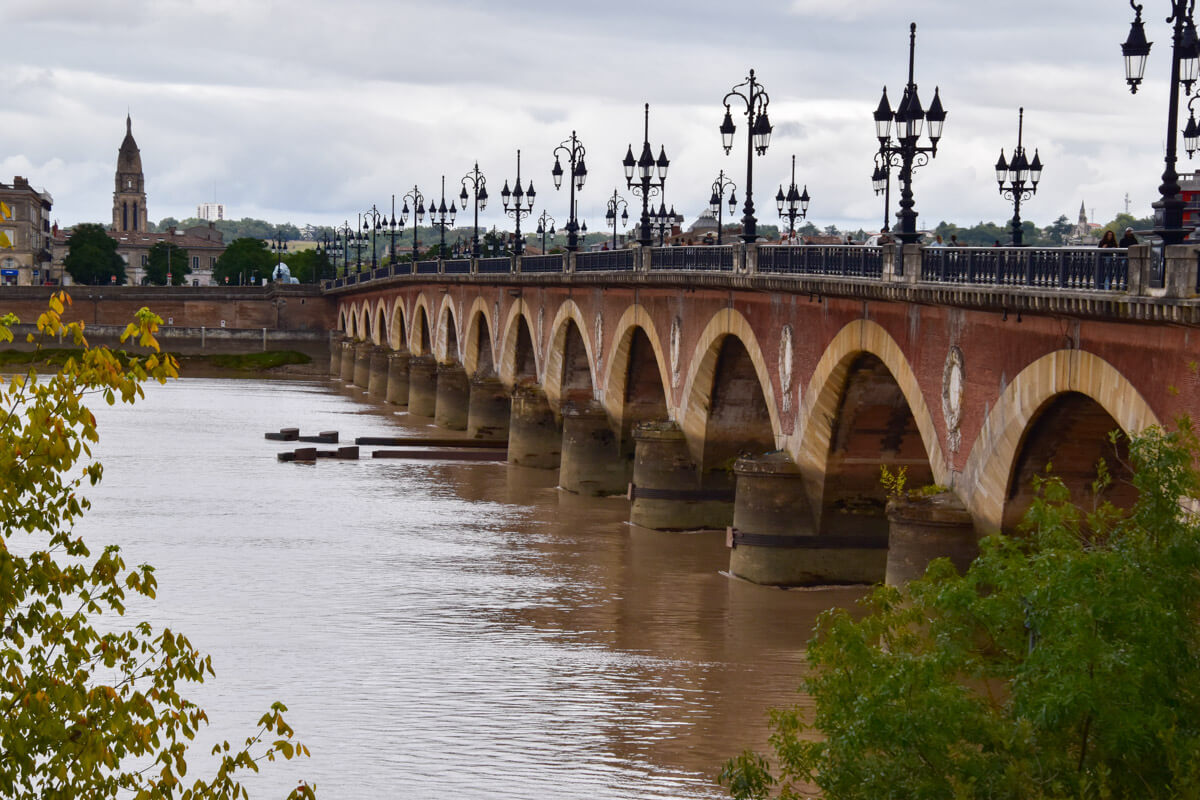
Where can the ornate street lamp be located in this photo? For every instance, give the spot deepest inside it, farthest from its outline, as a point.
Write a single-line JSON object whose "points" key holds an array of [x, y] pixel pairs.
{"points": [[442, 219], [662, 221], [322, 255], [391, 226], [718, 194], [639, 177], [418, 214], [1185, 63], [345, 232], [1022, 176], [758, 137], [518, 211], [881, 182], [574, 152], [478, 198], [909, 118], [793, 206], [546, 228], [616, 203], [371, 225], [278, 244]]}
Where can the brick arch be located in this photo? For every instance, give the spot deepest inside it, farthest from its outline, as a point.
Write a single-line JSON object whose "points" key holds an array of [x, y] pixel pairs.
{"points": [[421, 345], [702, 366], [616, 373], [398, 340], [364, 322], [447, 349], [519, 311], [343, 321], [379, 330], [552, 377], [989, 466], [480, 310], [810, 444]]}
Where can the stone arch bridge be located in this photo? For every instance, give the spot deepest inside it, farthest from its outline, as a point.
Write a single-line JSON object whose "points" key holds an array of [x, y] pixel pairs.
{"points": [[764, 388]]}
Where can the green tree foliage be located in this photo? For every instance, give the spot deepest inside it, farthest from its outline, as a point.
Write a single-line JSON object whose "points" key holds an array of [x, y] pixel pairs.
{"points": [[93, 258], [1064, 664], [1056, 233], [245, 261], [167, 259], [1123, 221], [89, 708], [304, 264]]}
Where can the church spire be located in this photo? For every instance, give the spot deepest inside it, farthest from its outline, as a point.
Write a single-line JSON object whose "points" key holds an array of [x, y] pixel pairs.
{"points": [[129, 195]]}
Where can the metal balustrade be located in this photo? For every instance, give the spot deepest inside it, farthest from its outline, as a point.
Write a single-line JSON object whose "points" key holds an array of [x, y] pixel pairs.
{"points": [[1043, 268], [708, 258], [606, 261], [543, 263], [427, 268], [845, 261], [381, 272], [457, 266], [495, 266]]}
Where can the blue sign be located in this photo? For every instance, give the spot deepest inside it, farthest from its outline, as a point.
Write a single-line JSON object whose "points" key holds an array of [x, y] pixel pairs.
{"points": [[8, 273]]}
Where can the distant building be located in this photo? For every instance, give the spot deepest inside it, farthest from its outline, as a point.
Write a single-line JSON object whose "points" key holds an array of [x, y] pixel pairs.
{"points": [[210, 212], [1084, 232], [29, 259], [129, 197], [1190, 190]]}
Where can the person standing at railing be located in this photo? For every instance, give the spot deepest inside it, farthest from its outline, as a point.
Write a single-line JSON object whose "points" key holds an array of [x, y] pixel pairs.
{"points": [[885, 237], [954, 242], [1108, 240], [1128, 240], [937, 241]]}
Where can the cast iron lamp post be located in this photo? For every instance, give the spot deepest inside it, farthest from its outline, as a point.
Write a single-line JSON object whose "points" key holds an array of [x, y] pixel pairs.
{"points": [[907, 151], [391, 226], [344, 231], [662, 221], [278, 244], [1185, 62], [1022, 176], [478, 198], [758, 137], [574, 151], [881, 182], [545, 228], [644, 186], [616, 203], [793, 206], [370, 227], [442, 219], [718, 194], [322, 255], [418, 214], [518, 211]]}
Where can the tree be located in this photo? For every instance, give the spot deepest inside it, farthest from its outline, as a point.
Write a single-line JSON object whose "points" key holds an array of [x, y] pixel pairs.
{"points": [[90, 709], [1058, 231], [244, 261], [167, 259], [1065, 663], [93, 258]]}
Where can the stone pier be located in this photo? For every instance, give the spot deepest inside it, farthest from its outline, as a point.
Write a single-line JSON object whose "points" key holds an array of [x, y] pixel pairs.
{"points": [[489, 409], [377, 376], [362, 364], [347, 361], [666, 490], [422, 386], [453, 397], [534, 438], [590, 463], [921, 529], [335, 353], [397, 379]]}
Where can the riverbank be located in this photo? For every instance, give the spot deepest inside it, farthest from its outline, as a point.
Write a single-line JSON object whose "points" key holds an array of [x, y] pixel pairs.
{"points": [[277, 364]]}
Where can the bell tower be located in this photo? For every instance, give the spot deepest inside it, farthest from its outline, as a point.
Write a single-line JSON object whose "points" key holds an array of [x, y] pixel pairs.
{"points": [[129, 196]]}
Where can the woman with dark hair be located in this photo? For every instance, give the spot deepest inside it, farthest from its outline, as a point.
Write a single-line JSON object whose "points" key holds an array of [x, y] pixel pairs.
{"points": [[1109, 239]]}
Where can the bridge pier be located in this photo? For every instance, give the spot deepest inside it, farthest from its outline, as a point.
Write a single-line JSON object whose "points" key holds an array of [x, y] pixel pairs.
{"points": [[377, 375], [534, 438], [453, 397], [488, 410], [397, 379], [335, 353], [362, 364], [924, 528], [667, 493], [346, 370], [422, 386], [590, 463]]}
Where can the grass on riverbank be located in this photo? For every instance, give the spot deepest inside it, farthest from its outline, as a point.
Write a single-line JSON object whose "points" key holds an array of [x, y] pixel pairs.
{"points": [[241, 362], [268, 359]]}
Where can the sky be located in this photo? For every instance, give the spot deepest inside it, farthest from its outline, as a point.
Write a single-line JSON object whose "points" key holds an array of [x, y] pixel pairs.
{"points": [[313, 112]]}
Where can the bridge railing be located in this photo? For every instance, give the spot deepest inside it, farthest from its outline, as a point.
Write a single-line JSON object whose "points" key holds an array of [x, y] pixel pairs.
{"points": [[543, 263], [457, 266], [847, 261], [495, 266], [606, 261], [426, 268], [708, 258], [1043, 268]]}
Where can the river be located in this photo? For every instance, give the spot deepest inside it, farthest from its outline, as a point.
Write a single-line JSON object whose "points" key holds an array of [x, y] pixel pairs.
{"points": [[437, 629]]}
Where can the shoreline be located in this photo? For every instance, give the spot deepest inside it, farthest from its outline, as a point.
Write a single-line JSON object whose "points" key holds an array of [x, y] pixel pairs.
{"points": [[192, 365]]}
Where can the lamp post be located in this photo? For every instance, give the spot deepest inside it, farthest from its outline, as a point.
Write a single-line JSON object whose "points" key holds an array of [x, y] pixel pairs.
{"points": [[442, 218], [517, 211], [758, 136], [418, 212], [545, 228], [370, 227], [574, 150], [615, 203], [478, 197], [1185, 62], [718, 194], [392, 226], [794, 205], [644, 186], [344, 231], [881, 181], [662, 221], [909, 118], [277, 244], [1022, 176], [322, 256]]}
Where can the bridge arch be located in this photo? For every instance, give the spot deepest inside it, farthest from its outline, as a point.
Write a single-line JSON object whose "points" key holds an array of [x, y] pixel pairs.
{"points": [[520, 354], [379, 331], [1062, 376], [446, 344], [479, 348], [728, 353], [399, 326], [420, 339], [343, 320], [636, 381], [570, 372]]}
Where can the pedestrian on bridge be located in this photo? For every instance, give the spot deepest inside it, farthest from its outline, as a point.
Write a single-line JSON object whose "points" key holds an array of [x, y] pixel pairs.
{"points": [[1128, 240]]}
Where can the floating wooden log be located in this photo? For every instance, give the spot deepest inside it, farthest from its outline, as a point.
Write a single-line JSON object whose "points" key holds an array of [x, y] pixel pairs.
{"points": [[425, 441], [311, 454], [293, 435], [443, 455]]}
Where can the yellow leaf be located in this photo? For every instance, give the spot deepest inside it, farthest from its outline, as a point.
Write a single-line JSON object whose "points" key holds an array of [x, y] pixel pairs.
{"points": [[5, 211], [4, 240]]}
